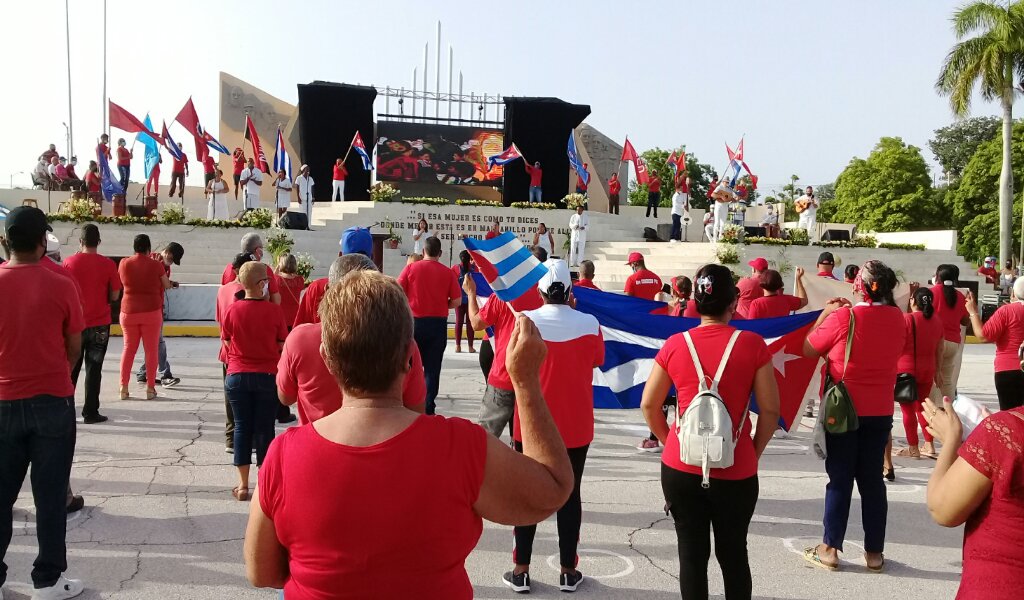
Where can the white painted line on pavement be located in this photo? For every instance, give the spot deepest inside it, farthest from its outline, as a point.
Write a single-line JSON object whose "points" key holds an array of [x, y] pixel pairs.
{"points": [[630, 567]]}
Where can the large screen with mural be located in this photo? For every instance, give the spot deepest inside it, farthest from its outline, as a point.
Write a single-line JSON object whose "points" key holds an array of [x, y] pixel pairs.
{"points": [[444, 154]]}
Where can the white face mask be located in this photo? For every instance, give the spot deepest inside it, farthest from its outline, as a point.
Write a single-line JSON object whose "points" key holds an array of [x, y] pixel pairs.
{"points": [[266, 289]]}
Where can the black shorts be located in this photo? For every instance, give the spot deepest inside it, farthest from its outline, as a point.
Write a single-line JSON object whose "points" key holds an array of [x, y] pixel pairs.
{"points": [[237, 176]]}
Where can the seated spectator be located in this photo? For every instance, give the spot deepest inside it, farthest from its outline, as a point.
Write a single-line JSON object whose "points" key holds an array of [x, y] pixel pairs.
{"points": [[41, 175], [421, 520], [770, 222]]}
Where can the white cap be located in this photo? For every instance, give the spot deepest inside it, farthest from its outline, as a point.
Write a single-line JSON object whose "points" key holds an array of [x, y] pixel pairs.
{"points": [[52, 243], [558, 271]]}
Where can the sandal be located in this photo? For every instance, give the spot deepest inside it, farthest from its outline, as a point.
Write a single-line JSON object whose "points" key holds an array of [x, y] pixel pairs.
{"points": [[150, 393], [123, 392], [909, 452], [458, 350], [880, 567], [472, 350], [811, 556], [240, 493], [889, 474]]}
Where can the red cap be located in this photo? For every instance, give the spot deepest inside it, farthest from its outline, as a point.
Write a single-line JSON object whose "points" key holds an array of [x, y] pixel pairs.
{"points": [[634, 257], [759, 263]]}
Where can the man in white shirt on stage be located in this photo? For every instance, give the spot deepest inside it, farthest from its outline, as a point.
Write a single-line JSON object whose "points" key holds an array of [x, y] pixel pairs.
{"points": [[578, 224], [809, 215], [304, 190], [252, 178]]}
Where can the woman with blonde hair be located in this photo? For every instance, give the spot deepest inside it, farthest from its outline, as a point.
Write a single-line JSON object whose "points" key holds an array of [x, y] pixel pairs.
{"points": [[292, 285]]}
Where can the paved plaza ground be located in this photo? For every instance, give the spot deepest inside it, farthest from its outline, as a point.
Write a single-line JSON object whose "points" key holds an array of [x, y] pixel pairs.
{"points": [[160, 521]]}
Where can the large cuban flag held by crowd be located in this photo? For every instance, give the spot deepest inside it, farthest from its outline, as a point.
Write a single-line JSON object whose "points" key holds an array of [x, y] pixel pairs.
{"points": [[634, 332]]}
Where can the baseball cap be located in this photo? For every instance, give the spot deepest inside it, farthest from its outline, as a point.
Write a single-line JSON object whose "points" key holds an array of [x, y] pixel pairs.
{"points": [[176, 252], [26, 221], [357, 240], [759, 263], [558, 272], [634, 257], [826, 258]]}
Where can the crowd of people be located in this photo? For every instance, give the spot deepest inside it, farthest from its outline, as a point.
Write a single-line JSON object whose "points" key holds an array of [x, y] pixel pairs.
{"points": [[360, 356]]}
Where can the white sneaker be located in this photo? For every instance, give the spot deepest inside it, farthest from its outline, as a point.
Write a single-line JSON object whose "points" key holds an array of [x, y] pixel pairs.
{"points": [[64, 588]]}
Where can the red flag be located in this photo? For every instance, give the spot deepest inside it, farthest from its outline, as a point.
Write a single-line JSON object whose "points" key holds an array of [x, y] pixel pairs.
{"points": [[629, 153], [739, 151], [257, 149], [190, 120], [126, 121], [797, 377]]}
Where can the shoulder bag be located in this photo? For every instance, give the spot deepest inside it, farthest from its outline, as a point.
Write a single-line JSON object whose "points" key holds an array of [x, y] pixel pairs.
{"points": [[905, 391], [836, 404]]}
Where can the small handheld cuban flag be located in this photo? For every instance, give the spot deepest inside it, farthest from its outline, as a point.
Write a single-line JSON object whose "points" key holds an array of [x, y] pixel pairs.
{"points": [[360, 148], [510, 154], [172, 146], [281, 158], [574, 160], [507, 265]]}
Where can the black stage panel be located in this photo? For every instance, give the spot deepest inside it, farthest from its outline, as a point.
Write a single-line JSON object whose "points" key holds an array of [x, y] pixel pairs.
{"points": [[540, 128], [329, 115]]}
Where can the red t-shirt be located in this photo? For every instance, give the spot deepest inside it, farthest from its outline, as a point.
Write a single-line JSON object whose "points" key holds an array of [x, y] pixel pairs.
{"points": [[586, 283], [209, 167], [928, 335], [227, 295], [749, 289], [748, 355], [491, 234], [535, 175], [309, 304], [991, 568], [179, 165], [39, 309], [142, 278], [340, 172], [499, 315], [302, 374], [92, 181], [291, 293], [253, 330], [230, 275], [239, 163], [614, 187], [1006, 329], [48, 264], [102, 150], [880, 333], [429, 286], [951, 316], [582, 185], [991, 275], [767, 307], [654, 185], [575, 349], [96, 276], [644, 284], [124, 157], [350, 517], [689, 311]]}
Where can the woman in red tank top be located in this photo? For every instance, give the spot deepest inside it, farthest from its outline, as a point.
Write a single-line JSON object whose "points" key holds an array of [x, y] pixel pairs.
{"points": [[292, 285]]}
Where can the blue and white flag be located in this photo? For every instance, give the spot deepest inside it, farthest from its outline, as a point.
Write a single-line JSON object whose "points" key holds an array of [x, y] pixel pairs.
{"points": [[635, 329], [574, 160], [281, 158], [108, 185], [507, 265], [152, 157], [171, 145]]}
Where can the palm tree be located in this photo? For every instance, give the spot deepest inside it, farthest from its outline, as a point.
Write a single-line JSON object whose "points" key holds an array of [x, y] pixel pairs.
{"points": [[991, 59]]}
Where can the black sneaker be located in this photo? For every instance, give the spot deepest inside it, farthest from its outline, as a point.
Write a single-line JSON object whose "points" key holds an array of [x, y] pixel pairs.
{"points": [[93, 419], [77, 503], [520, 583], [285, 420], [169, 381], [569, 582]]}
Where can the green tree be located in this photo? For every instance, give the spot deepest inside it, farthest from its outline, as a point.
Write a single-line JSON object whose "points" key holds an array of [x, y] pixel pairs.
{"points": [[954, 144], [888, 191], [991, 59], [700, 174]]}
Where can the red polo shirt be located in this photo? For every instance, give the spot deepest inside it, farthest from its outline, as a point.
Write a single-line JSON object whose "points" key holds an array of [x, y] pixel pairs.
{"points": [[96, 276], [429, 286], [654, 185], [644, 284], [179, 165], [767, 307], [227, 295], [614, 187], [253, 330], [309, 304], [749, 289]]}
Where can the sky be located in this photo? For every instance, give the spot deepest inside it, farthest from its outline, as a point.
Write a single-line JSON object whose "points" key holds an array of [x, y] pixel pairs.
{"points": [[810, 83]]}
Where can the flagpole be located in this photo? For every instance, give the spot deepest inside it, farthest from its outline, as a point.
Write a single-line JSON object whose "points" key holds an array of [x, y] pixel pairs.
{"points": [[71, 123], [106, 125], [352, 143]]}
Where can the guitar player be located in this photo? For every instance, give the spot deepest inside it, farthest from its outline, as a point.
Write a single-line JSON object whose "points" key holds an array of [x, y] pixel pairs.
{"points": [[807, 207]]}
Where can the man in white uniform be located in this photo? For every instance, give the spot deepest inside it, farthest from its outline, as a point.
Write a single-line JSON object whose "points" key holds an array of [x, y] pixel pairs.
{"points": [[809, 218], [252, 179], [304, 190], [578, 224], [722, 196]]}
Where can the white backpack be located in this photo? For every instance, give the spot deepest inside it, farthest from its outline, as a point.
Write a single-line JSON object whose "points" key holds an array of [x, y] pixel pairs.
{"points": [[706, 435]]}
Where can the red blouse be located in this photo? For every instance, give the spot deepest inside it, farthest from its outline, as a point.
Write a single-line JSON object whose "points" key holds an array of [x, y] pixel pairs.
{"points": [[291, 292]]}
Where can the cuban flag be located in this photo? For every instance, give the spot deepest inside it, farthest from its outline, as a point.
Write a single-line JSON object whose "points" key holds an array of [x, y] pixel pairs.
{"points": [[360, 148], [510, 154], [634, 333], [213, 143], [171, 145], [574, 160], [507, 265], [108, 185], [281, 158]]}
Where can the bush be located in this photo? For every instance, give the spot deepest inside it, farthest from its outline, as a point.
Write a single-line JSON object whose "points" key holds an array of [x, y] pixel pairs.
{"points": [[732, 234], [173, 214], [258, 218], [424, 200], [305, 264], [572, 201], [82, 209], [475, 202], [767, 241], [383, 192], [799, 237], [279, 243], [895, 246], [537, 205], [862, 241], [727, 255]]}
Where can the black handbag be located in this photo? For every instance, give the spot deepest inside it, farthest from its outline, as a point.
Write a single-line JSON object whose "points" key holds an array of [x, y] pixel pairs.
{"points": [[905, 391]]}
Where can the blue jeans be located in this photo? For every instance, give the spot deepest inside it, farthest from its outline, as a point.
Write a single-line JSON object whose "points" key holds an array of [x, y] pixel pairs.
{"points": [[253, 398], [124, 171], [857, 456], [431, 335], [677, 228], [535, 194], [37, 431]]}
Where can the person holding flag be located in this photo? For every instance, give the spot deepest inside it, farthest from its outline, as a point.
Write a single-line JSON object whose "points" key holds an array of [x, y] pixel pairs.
{"points": [[338, 180], [536, 174], [179, 171], [124, 163], [238, 163], [153, 181], [581, 181], [614, 189], [209, 169], [653, 194]]}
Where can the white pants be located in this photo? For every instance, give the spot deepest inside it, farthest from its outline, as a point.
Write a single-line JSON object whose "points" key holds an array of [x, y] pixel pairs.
{"points": [[721, 218], [307, 207], [338, 192], [709, 231], [810, 223], [217, 207], [577, 248], [251, 201]]}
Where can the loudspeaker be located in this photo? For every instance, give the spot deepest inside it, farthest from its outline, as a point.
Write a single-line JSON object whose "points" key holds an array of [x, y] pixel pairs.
{"points": [[293, 220], [651, 235], [329, 116], [540, 128], [836, 235], [136, 210]]}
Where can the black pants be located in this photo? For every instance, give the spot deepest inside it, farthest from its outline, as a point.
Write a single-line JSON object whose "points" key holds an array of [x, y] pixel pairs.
{"points": [[727, 506], [431, 335], [177, 178], [1010, 389], [653, 198], [570, 518], [486, 357], [613, 204], [37, 431], [94, 350], [677, 228]]}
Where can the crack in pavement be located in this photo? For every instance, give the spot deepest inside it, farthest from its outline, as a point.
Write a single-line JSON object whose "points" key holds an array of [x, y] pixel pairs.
{"points": [[635, 549], [138, 567]]}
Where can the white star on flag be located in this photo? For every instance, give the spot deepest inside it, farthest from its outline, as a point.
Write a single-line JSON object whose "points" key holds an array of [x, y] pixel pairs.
{"points": [[780, 358]]}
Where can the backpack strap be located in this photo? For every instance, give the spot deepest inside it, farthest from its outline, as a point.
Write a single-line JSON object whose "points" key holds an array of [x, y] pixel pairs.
{"points": [[725, 359], [701, 376], [849, 344]]}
